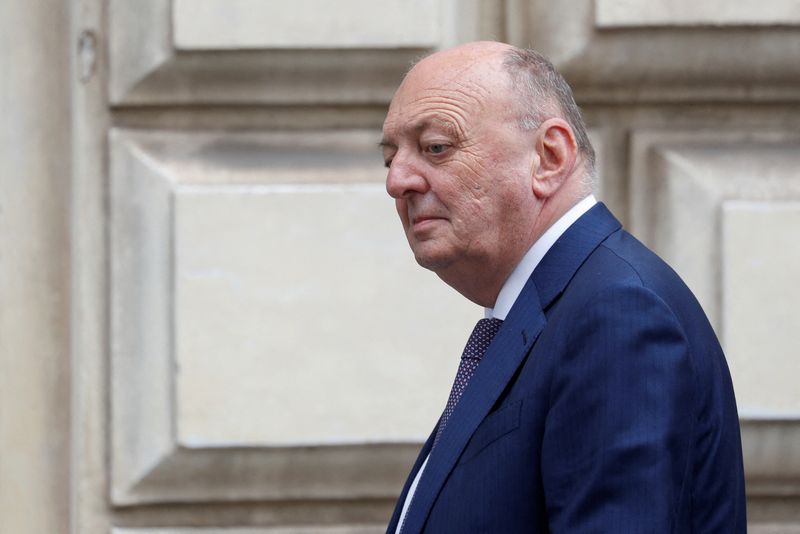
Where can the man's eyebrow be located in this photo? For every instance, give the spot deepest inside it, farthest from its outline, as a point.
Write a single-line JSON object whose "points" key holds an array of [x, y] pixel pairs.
{"points": [[433, 122], [420, 126]]}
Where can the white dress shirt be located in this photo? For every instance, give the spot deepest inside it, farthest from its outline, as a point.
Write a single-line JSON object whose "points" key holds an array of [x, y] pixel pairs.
{"points": [[509, 293]]}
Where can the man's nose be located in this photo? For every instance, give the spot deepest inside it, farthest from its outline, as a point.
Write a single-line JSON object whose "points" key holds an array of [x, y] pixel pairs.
{"points": [[404, 179]]}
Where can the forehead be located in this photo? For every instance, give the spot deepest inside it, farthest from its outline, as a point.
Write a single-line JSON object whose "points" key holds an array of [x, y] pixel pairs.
{"points": [[445, 95]]}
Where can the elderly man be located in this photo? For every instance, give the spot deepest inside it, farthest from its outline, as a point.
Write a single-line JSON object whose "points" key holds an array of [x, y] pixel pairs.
{"points": [[594, 396]]}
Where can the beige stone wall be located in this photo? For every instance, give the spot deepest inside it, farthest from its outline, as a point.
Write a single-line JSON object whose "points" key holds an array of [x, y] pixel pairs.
{"points": [[210, 321]]}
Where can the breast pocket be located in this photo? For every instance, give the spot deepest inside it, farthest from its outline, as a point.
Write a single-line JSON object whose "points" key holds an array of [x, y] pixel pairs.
{"points": [[496, 425]]}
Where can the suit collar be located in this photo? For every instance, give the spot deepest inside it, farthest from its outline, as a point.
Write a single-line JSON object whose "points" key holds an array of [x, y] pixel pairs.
{"points": [[567, 254], [507, 351]]}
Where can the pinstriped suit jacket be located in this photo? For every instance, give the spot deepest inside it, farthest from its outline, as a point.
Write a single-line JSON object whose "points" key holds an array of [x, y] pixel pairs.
{"points": [[604, 404]]}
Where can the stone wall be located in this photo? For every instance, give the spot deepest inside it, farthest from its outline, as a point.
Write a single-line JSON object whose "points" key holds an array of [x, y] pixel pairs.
{"points": [[205, 288]]}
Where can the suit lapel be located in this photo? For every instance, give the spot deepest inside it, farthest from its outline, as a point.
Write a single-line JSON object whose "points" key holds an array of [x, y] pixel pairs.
{"points": [[512, 343], [506, 352]]}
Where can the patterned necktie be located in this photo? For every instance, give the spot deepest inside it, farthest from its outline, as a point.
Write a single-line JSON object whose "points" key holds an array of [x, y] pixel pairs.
{"points": [[476, 347]]}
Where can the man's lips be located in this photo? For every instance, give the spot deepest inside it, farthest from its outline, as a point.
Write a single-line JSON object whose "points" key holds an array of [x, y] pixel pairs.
{"points": [[420, 222]]}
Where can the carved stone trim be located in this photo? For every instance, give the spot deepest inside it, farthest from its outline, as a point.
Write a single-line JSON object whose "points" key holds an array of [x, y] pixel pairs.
{"points": [[169, 442], [771, 456], [159, 55], [668, 63], [680, 182], [678, 13], [714, 166]]}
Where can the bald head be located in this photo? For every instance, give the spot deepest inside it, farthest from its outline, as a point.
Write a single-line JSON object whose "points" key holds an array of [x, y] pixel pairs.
{"points": [[462, 60]]}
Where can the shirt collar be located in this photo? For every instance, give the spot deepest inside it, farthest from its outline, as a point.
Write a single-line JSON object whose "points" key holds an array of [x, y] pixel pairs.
{"points": [[516, 281]]}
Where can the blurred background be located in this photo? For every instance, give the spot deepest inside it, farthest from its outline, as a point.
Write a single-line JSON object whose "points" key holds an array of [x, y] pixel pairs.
{"points": [[209, 318]]}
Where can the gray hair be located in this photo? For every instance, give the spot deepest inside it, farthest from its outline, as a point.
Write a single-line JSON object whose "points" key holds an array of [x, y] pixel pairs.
{"points": [[546, 94]]}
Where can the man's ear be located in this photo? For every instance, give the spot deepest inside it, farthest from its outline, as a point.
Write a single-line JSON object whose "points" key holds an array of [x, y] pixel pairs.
{"points": [[557, 151]]}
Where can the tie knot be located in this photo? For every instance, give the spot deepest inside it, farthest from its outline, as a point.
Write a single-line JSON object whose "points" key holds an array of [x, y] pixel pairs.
{"points": [[481, 337]]}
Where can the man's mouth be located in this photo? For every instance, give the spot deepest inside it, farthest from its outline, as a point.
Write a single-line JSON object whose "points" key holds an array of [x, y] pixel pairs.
{"points": [[420, 222]]}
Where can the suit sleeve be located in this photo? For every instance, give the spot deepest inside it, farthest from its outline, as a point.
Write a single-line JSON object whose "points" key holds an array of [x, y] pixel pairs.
{"points": [[618, 432]]}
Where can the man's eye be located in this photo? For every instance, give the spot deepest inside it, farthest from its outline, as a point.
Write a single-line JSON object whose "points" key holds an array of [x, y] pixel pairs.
{"points": [[436, 148]]}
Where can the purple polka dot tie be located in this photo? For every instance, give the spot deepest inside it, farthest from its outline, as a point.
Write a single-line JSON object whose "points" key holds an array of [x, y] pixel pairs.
{"points": [[479, 341]]}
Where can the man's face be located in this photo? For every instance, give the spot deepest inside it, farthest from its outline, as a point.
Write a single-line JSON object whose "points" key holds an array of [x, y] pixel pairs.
{"points": [[460, 167]]}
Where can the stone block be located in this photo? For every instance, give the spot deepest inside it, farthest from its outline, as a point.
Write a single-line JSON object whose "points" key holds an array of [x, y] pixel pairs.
{"points": [[760, 296], [254, 24]]}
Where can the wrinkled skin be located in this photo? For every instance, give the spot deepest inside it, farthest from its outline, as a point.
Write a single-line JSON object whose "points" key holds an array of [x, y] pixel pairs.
{"points": [[461, 170]]}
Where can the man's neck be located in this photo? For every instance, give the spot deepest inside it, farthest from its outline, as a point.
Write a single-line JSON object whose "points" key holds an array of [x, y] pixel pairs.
{"points": [[513, 285], [482, 290]]}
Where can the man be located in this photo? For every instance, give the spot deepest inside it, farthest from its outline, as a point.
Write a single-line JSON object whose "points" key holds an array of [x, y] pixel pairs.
{"points": [[603, 402]]}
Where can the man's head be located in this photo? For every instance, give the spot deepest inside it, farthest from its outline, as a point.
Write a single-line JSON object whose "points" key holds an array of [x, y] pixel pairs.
{"points": [[483, 157]]}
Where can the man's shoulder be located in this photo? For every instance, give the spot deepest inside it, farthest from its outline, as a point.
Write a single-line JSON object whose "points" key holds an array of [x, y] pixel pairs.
{"points": [[622, 264], [623, 259], [622, 269], [620, 260]]}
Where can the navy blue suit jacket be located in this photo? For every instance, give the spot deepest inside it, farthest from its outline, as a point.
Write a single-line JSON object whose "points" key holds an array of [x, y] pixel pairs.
{"points": [[604, 404]]}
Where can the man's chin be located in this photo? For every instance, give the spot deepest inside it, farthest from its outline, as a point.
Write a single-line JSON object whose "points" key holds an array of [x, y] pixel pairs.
{"points": [[433, 261]]}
